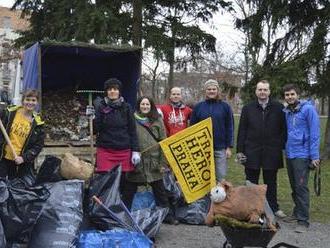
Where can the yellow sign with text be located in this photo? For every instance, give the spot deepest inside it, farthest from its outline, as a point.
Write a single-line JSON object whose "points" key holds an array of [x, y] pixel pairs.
{"points": [[190, 155]]}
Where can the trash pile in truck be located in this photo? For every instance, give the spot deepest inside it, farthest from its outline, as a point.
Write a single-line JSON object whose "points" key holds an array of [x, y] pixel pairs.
{"points": [[64, 114]]}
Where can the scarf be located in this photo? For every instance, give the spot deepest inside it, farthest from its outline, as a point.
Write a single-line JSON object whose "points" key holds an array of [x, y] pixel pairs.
{"points": [[142, 119], [114, 103]]}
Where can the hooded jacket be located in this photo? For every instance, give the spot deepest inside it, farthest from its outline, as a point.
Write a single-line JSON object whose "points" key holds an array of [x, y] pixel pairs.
{"points": [[175, 118], [303, 126], [35, 141]]}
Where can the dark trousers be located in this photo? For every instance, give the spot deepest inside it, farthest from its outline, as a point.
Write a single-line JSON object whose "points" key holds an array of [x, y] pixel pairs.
{"points": [[298, 172], [9, 169], [158, 189], [270, 179]]}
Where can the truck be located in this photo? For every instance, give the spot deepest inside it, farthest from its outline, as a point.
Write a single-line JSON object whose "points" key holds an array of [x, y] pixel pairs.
{"points": [[59, 71]]}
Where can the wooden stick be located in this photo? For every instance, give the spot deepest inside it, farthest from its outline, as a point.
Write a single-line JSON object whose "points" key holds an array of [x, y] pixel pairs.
{"points": [[90, 103], [149, 148], [4, 132]]}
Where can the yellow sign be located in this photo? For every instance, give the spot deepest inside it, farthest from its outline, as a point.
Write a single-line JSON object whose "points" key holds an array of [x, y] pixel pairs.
{"points": [[190, 155]]}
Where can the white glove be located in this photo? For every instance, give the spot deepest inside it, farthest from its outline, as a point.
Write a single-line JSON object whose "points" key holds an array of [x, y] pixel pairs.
{"points": [[240, 158], [90, 111], [136, 158]]}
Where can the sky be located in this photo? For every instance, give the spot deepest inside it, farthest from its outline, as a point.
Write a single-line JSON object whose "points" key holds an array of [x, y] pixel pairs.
{"points": [[6, 3]]}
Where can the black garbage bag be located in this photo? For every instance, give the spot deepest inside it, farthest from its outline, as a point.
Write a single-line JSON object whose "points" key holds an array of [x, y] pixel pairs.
{"points": [[3, 197], [172, 189], [49, 170], [61, 217], [194, 213], [21, 210], [113, 213], [150, 219], [2, 236]]}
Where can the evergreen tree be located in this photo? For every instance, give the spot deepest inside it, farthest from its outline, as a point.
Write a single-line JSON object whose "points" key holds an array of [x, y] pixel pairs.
{"points": [[301, 55]]}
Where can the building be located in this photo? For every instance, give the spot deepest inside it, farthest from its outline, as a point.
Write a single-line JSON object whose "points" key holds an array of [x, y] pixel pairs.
{"points": [[10, 24]]}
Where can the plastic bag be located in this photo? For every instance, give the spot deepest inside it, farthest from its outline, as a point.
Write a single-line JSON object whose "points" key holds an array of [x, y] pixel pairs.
{"points": [[49, 170], [172, 188], [113, 213], [113, 239], [195, 212], [2, 236], [143, 199], [61, 217], [22, 208], [150, 219]]}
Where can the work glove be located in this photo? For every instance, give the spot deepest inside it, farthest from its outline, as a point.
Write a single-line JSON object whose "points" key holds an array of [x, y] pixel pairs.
{"points": [[240, 158], [136, 158], [90, 111]]}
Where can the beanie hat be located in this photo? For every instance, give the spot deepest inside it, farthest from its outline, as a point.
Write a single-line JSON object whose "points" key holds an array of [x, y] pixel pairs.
{"points": [[112, 82], [211, 82]]}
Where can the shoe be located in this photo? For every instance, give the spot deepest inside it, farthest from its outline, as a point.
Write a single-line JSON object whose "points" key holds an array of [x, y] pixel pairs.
{"points": [[301, 228], [169, 219], [289, 219], [280, 214]]}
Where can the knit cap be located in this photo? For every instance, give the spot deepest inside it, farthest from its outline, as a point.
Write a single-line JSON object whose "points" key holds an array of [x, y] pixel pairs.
{"points": [[211, 82]]}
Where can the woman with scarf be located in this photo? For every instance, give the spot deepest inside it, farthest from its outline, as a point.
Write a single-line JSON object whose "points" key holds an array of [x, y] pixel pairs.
{"points": [[116, 139], [150, 130]]}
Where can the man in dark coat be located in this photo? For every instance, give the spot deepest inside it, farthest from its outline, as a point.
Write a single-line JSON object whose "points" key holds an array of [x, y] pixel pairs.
{"points": [[261, 138]]}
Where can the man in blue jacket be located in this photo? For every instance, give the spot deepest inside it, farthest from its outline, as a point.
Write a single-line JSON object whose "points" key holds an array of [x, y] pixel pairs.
{"points": [[222, 122], [302, 151]]}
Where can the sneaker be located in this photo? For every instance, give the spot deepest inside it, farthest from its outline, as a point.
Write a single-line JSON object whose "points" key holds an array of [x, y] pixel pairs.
{"points": [[290, 219], [301, 228], [280, 214]]}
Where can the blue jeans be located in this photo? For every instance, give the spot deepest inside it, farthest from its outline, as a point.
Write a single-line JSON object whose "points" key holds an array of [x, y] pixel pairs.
{"points": [[220, 161], [298, 172]]}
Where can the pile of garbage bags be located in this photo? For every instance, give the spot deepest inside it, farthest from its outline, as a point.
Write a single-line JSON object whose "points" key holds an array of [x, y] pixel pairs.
{"points": [[51, 211]]}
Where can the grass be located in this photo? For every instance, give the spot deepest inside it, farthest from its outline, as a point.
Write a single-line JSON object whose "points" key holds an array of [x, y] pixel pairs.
{"points": [[319, 207]]}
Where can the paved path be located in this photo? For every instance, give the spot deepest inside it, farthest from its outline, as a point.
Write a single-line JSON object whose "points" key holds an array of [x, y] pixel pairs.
{"points": [[190, 236]]}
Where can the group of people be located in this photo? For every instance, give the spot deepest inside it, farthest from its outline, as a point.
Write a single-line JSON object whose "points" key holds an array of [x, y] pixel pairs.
{"points": [[130, 139]]}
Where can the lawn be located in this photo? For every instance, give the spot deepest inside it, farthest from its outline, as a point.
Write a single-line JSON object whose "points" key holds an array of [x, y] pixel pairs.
{"points": [[320, 210]]}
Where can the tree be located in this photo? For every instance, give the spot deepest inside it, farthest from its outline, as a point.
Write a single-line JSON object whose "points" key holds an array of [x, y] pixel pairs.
{"points": [[172, 26], [300, 55], [80, 20]]}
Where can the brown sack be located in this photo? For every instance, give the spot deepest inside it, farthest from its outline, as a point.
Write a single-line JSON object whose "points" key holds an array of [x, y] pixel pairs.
{"points": [[244, 203], [74, 168]]}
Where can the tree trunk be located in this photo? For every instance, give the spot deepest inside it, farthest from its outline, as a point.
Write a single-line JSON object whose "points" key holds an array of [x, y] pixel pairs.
{"points": [[154, 78], [137, 23], [170, 80], [326, 154]]}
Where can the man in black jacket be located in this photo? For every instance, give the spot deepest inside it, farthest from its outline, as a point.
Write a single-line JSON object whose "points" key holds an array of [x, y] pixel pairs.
{"points": [[261, 138]]}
